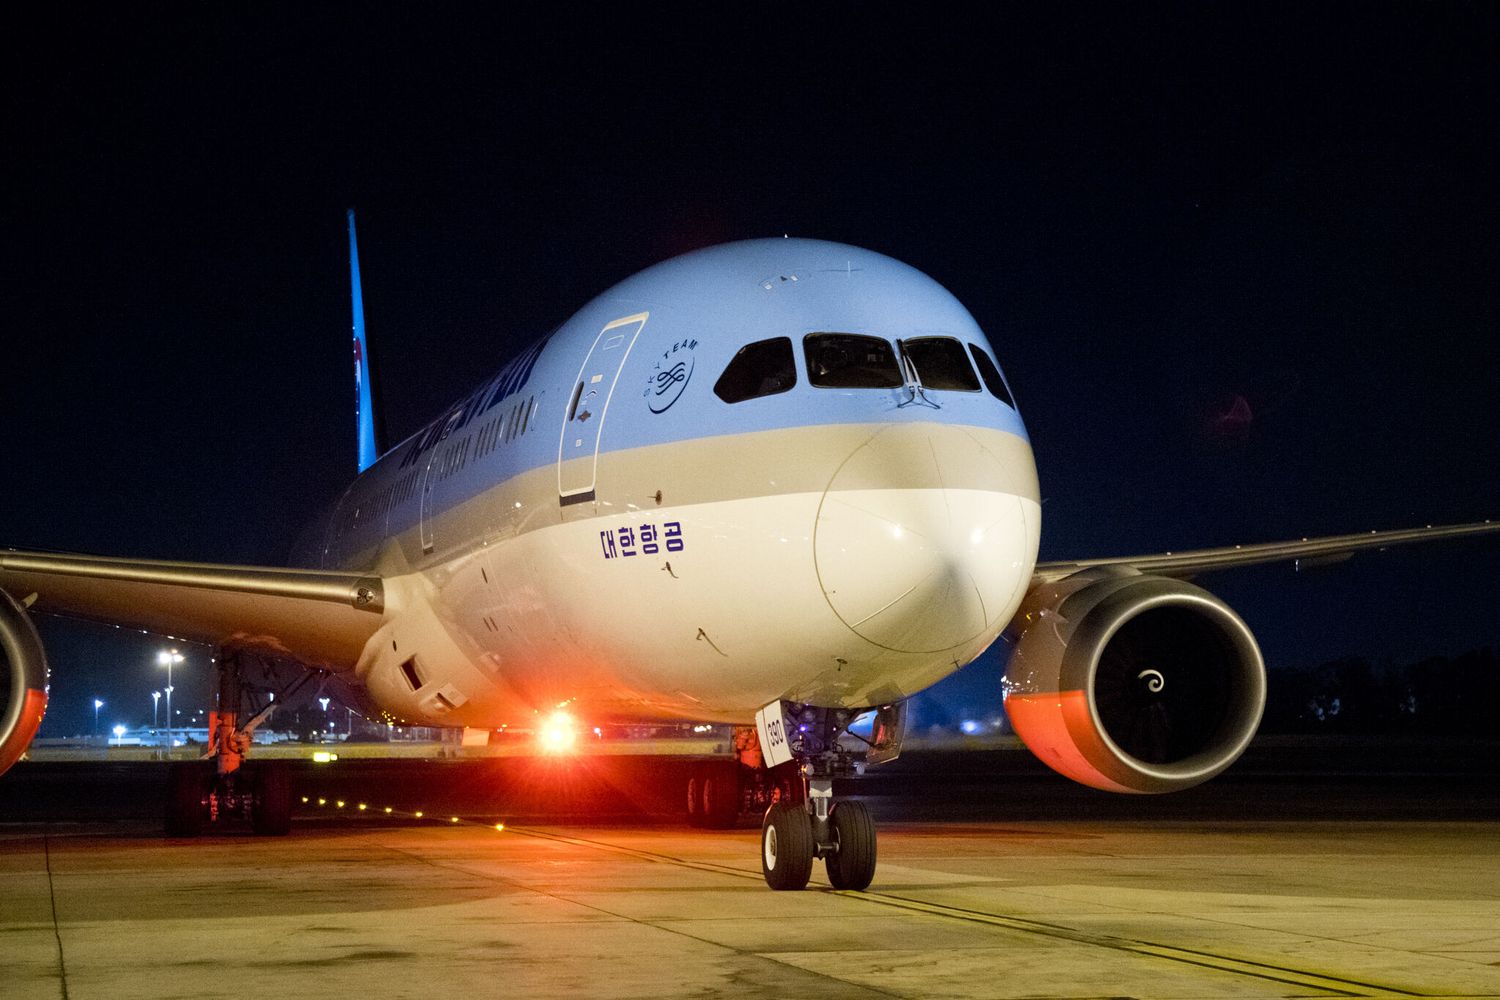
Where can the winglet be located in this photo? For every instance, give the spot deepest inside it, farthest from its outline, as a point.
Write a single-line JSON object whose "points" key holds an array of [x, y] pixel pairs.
{"points": [[364, 405]]}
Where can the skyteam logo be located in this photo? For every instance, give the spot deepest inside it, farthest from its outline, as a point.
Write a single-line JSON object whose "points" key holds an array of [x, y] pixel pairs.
{"points": [[670, 375]]}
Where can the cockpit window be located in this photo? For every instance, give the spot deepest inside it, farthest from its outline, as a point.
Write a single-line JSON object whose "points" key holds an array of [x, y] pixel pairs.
{"points": [[760, 369], [850, 361], [992, 380], [941, 364]]}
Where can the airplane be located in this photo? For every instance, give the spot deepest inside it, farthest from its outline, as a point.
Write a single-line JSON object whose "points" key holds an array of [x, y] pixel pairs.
{"points": [[838, 511]]}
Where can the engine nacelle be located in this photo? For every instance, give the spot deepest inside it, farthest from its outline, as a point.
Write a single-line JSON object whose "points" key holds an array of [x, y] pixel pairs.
{"points": [[1133, 683], [23, 681]]}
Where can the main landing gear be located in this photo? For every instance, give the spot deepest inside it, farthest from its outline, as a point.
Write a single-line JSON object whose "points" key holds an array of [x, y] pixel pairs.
{"points": [[213, 792], [721, 794], [787, 766]]}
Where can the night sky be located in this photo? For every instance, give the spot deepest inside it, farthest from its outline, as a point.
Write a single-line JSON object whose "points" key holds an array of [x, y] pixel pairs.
{"points": [[1240, 264]]}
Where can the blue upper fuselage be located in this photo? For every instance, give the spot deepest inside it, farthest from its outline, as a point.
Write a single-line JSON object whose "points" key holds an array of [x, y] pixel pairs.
{"points": [[702, 308], [739, 293]]}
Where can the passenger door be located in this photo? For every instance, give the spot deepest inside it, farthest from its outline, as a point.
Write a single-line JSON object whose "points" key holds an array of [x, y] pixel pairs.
{"points": [[425, 512], [583, 420]]}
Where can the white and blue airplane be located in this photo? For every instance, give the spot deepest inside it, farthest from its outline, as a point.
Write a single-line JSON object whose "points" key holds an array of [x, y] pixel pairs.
{"points": [[775, 484]]}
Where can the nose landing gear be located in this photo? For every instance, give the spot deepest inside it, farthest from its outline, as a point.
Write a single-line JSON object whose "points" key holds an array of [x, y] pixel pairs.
{"points": [[786, 765], [806, 822], [841, 833]]}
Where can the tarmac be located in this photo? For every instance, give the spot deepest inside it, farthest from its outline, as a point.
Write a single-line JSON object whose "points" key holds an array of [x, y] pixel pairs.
{"points": [[1352, 886]]}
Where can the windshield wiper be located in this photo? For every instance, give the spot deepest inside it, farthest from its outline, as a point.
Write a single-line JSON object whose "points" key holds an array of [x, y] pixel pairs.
{"points": [[918, 392]]}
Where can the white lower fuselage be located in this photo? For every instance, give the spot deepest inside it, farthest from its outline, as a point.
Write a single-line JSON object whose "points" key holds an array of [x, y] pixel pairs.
{"points": [[903, 567]]}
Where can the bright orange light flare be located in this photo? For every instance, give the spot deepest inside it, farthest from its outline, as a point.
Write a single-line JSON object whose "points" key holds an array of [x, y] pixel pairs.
{"points": [[558, 734]]}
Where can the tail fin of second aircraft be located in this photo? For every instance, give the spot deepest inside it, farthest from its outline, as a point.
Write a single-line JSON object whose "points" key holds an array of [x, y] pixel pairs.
{"points": [[364, 389]]}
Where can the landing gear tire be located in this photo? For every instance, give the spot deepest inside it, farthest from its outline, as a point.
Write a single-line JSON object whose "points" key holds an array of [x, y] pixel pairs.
{"points": [[852, 864], [721, 800], [271, 810], [694, 800], [187, 788], [786, 846]]}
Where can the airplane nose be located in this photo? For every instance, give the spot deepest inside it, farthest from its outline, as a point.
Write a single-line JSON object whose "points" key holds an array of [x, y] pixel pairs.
{"points": [[920, 544]]}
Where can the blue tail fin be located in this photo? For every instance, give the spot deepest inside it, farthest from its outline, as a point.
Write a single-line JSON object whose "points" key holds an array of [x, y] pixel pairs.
{"points": [[364, 396]]}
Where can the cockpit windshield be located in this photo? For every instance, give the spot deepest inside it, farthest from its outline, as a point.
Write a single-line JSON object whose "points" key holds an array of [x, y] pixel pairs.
{"points": [[763, 368], [992, 380], [941, 363], [851, 361]]}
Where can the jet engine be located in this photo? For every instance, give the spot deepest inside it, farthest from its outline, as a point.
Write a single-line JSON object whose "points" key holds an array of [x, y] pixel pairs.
{"points": [[23, 681], [1133, 683]]}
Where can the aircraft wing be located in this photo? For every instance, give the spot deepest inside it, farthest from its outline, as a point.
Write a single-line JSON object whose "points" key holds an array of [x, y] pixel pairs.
{"points": [[322, 619], [1304, 552]]}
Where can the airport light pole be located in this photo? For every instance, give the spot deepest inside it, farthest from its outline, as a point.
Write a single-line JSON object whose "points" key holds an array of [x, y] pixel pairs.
{"points": [[166, 658], [155, 704], [97, 705]]}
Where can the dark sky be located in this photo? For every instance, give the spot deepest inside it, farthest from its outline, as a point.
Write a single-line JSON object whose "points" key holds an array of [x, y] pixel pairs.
{"points": [[1238, 262]]}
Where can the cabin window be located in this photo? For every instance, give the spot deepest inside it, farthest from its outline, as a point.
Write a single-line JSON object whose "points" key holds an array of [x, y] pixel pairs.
{"points": [[991, 375], [941, 363], [850, 361], [760, 369]]}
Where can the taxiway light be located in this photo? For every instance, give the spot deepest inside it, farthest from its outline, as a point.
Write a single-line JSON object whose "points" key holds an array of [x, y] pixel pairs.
{"points": [[453, 819], [418, 814], [500, 827], [362, 807], [340, 803], [304, 800], [387, 809], [322, 802], [324, 757]]}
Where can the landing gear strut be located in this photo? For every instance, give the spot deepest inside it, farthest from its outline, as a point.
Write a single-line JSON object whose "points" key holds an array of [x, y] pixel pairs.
{"points": [[201, 793]]}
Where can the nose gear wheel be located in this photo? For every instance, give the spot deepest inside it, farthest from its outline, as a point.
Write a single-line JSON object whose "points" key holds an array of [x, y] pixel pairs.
{"points": [[786, 840], [852, 863]]}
